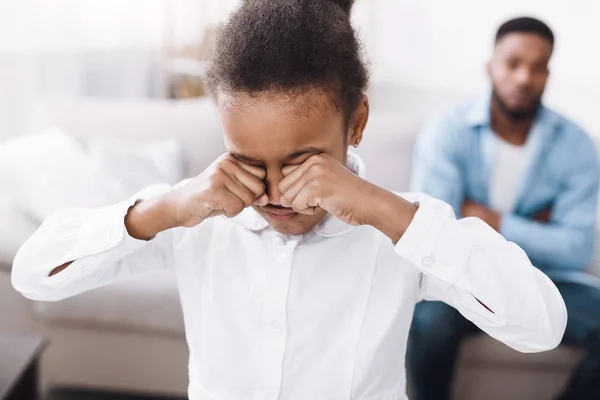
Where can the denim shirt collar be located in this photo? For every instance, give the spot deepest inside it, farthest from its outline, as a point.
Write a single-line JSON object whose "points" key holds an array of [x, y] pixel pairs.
{"points": [[479, 115], [541, 136]]}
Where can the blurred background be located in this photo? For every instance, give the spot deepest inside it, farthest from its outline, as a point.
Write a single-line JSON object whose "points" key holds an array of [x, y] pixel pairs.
{"points": [[139, 48], [100, 98]]}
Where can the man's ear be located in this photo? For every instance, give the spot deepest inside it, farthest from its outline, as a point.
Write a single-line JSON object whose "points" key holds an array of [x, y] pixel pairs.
{"points": [[358, 122], [488, 69]]}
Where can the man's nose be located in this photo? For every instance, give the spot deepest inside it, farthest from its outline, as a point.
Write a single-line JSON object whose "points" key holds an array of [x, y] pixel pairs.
{"points": [[523, 76]]}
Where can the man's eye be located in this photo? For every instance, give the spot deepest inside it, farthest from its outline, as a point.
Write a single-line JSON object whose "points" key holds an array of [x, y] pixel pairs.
{"points": [[540, 69], [512, 64]]}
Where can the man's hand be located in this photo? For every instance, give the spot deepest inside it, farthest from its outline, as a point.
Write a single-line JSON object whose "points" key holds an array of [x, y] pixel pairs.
{"points": [[321, 182], [543, 216], [487, 215], [225, 188]]}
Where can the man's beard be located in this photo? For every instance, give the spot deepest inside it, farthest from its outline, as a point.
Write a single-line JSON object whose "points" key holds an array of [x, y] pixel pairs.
{"points": [[517, 115]]}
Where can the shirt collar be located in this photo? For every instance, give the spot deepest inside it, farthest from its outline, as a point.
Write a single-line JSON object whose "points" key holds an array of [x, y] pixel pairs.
{"points": [[328, 227], [479, 114]]}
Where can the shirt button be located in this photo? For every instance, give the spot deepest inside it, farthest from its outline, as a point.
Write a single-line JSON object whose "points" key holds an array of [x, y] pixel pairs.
{"points": [[268, 394], [429, 260], [275, 326], [277, 241], [281, 257]]}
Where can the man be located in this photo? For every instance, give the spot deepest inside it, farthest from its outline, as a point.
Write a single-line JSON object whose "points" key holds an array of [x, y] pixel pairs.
{"points": [[297, 277], [532, 175]]}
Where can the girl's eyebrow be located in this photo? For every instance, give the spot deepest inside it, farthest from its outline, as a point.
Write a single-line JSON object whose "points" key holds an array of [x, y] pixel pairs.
{"points": [[308, 150]]}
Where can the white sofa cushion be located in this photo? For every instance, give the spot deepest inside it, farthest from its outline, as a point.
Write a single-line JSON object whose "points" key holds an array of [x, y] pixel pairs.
{"points": [[148, 303], [50, 170], [15, 228], [387, 147], [134, 166], [193, 123], [482, 350]]}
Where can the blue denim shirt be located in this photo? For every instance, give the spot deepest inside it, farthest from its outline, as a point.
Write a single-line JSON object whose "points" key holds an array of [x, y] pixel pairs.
{"points": [[452, 162]]}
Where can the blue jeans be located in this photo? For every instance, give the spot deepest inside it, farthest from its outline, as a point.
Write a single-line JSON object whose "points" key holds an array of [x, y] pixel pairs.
{"points": [[438, 329]]}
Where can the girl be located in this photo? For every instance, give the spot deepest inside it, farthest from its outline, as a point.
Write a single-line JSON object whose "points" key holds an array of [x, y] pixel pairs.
{"points": [[298, 278]]}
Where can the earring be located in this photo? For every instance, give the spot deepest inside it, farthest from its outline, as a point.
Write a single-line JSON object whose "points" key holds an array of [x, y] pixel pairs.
{"points": [[356, 143]]}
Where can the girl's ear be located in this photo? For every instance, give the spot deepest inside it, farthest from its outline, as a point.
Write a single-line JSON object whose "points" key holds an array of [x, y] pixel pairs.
{"points": [[358, 122]]}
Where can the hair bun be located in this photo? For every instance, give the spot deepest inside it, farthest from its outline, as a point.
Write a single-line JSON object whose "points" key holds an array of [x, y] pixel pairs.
{"points": [[345, 4]]}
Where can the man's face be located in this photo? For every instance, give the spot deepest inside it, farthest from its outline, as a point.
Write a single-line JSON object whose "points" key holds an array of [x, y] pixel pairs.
{"points": [[274, 131], [519, 71]]}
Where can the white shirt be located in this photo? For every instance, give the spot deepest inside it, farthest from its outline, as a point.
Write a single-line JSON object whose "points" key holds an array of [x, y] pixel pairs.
{"points": [[508, 170], [320, 316]]}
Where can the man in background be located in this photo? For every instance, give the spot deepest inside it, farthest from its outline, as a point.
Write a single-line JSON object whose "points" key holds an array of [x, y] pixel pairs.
{"points": [[532, 175]]}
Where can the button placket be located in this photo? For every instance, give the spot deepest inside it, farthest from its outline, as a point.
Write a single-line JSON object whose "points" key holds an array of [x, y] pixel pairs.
{"points": [[279, 262], [277, 240], [275, 326], [282, 257]]}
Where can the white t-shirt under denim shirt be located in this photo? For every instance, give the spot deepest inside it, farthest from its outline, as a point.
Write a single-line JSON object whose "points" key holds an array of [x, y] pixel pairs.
{"points": [[324, 315], [510, 164]]}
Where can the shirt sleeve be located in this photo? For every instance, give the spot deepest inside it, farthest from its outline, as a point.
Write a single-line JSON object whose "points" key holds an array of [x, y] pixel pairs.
{"points": [[567, 242], [97, 243], [491, 281], [437, 168]]}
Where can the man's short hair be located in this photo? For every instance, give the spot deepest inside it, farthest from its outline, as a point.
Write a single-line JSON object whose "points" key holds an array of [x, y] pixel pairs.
{"points": [[525, 25]]}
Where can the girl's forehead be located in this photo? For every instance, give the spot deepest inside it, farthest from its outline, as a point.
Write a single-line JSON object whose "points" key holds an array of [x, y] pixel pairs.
{"points": [[297, 103], [269, 127]]}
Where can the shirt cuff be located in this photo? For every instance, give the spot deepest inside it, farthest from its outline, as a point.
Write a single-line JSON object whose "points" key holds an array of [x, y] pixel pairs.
{"points": [[105, 228], [510, 225], [435, 242]]}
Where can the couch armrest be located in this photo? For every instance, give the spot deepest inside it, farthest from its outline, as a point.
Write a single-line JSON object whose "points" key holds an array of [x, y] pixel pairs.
{"points": [[594, 267], [15, 228], [5, 267]]}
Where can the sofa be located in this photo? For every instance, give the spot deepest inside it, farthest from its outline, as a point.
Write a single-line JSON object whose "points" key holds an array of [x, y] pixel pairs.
{"points": [[129, 336]]}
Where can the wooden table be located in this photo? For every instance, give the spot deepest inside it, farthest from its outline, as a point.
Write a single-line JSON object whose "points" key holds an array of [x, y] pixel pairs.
{"points": [[19, 359]]}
